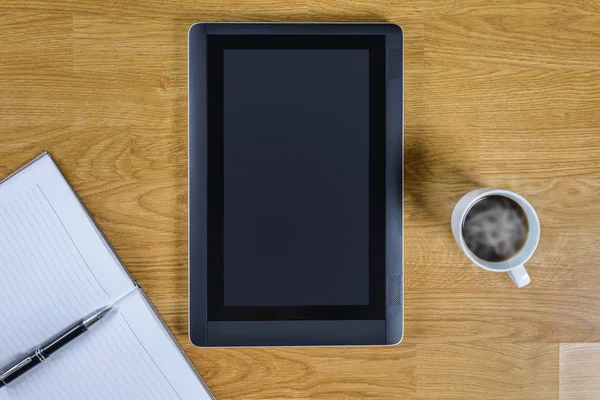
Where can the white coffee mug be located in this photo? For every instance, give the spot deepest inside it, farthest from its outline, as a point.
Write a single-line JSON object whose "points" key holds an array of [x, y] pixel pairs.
{"points": [[514, 265]]}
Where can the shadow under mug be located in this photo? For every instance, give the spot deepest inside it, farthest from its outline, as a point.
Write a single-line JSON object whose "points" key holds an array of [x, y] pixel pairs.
{"points": [[514, 265]]}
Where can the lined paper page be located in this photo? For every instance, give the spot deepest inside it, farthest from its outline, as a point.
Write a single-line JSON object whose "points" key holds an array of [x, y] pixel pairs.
{"points": [[54, 266], [127, 355], [160, 345]]}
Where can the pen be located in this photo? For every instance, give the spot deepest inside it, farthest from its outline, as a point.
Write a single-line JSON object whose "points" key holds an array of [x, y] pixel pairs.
{"points": [[47, 349]]}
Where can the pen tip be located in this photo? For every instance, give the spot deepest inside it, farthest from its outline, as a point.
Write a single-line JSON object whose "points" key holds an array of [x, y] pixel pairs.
{"points": [[95, 318], [104, 312]]}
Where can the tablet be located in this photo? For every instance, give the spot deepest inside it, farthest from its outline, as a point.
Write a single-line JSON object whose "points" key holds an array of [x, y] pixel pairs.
{"points": [[295, 184]]}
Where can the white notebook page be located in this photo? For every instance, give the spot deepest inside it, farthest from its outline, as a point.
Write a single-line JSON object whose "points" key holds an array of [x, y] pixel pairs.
{"points": [[127, 355], [54, 266]]}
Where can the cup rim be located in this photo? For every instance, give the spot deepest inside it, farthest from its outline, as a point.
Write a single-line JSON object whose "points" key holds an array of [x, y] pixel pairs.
{"points": [[530, 245]]}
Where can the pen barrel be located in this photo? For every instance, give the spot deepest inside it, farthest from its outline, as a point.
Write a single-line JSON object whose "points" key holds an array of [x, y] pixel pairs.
{"points": [[62, 339], [32, 362]]}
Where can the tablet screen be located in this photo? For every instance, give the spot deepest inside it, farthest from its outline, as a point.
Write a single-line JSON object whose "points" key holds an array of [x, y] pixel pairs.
{"points": [[296, 177]]}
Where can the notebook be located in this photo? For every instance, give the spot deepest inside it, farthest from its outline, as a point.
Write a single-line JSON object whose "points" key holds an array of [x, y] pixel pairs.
{"points": [[56, 267]]}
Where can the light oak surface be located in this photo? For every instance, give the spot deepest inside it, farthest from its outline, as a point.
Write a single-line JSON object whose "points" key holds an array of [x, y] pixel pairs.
{"points": [[498, 93], [579, 361]]}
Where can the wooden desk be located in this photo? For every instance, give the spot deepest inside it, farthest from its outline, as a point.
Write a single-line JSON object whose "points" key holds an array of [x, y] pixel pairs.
{"points": [[503, 93]]}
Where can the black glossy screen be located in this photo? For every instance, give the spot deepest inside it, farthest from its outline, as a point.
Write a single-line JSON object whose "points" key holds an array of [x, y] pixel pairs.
{"points": [[296, 177]]}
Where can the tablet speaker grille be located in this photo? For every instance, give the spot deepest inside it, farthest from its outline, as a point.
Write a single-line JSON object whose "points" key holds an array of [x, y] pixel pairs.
{"points": [[394, 63], [394, 291]]}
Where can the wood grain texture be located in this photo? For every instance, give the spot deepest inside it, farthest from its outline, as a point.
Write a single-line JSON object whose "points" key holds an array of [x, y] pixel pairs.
{"points": [[533, 41], [501, 94], [579, 371], [502, 315], [324, 373], [380, 10], [487, 371], [502, 7], [207, 10]]}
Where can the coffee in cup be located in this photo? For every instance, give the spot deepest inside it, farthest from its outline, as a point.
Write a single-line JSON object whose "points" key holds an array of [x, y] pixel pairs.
{"points": [[495, 228]]}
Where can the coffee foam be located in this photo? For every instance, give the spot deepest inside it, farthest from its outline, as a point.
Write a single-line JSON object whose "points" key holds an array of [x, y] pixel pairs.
{"points": [[495, 231]]}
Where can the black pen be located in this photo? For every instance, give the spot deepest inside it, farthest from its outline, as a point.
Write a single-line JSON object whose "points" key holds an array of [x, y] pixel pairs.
{"points": [[48, 348]]}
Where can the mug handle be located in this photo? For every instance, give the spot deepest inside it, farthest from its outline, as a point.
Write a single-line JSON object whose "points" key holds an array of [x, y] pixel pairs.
{"points": [[519, 276]]}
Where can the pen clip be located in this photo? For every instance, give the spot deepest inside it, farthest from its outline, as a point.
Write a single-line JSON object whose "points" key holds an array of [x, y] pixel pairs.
{"points": [[15, 368]]}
